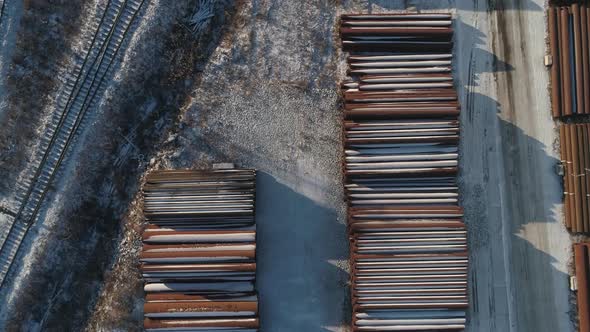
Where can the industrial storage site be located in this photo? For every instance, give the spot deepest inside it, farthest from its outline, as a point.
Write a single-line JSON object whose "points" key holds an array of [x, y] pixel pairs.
{"points": [[266, 165]]}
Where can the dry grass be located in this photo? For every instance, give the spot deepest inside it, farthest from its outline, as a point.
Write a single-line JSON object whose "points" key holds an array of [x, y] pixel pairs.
{"points": [[42, 41]]}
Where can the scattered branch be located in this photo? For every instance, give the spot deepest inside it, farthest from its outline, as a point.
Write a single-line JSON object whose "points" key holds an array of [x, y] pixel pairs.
{"points": [[201, 18]]}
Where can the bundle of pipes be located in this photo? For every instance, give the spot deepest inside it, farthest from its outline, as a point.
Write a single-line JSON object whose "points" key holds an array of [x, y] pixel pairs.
{"points": [[582, 264], [575, 159], [569, 38], [385, 32], [401, 135], [198, 258], [402, 264]]}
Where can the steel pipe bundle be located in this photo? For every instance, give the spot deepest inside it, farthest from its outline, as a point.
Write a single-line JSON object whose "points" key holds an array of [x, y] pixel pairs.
{"points": [[582, 264], [384, 32], [401, 135], [569, 38], [575, 159], [199, 251]]}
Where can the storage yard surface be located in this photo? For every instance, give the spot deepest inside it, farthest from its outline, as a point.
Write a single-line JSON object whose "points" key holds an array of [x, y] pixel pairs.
{"points": [[266, 97], [519, 248]]}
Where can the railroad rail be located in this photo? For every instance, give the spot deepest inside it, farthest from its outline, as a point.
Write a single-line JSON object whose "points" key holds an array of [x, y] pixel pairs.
{"points": [[569, 41], [409, 259], [198, 258], [81, 92]]}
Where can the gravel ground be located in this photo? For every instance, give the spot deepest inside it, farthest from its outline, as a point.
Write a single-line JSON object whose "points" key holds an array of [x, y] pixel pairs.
{"points": [[261, 90]]}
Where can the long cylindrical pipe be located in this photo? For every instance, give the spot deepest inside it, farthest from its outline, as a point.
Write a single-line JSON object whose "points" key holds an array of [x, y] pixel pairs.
{"points": [[555, 67], [566, 63]]}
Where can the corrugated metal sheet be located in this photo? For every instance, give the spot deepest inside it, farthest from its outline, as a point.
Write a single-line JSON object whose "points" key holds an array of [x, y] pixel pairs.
{"points": [[199, 251], [409, 258]]}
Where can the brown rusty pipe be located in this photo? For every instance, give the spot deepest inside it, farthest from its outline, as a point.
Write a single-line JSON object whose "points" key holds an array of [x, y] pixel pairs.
{"points": [[585, 171], [396, 16], [566, 63], [581, 147], [555, 82], [388, 46], [576, 172], [173, 324], [434, 31], [152, 309], [578, 72], [401, 113], [564, 158], [396, 140], [570, 176], [585, 56]]}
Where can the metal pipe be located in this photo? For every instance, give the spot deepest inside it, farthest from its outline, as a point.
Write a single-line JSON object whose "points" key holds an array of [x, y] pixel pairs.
{"points": [[586, 171], [585, 56], [398, 57], [555, 67], [566, 63], [404, 31], [564, 162], [579, 76], [396, 16], [576, 179]]}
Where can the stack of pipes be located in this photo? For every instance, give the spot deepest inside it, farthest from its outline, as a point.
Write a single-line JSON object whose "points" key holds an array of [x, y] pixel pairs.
{"points": [[582, 265], [575, 159], [198, 259], [569, 38], [408, 241]]}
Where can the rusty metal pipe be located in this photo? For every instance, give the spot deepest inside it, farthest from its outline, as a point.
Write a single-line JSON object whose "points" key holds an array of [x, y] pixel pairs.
{"points": [[586, 171], [403, 31], [584, 34], [153, 324], [570, 177], [566, 63], [555, 67], [396, 16], [398, 57], [576, 179], [564, 158], [579, 76]]}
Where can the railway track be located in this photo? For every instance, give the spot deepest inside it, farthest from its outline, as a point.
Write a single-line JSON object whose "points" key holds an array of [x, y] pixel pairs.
{"points": [[82, 87]]}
